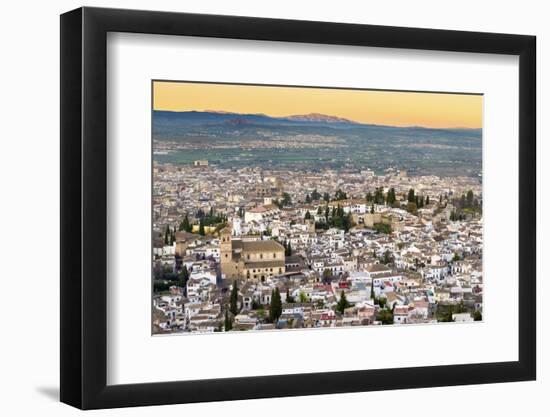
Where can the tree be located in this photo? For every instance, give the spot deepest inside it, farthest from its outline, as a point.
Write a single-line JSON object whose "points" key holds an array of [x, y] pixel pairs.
{"points": [[307, 215], [385, 316], [326, 197], [411, 197], [390, 198], [427, 200], [326, 213], [372, 209], [477, 315], [287, 201], [340, 195], [379, 196], [388, 258], [369, 197], [289, 298], [382, 228], [372, 296], [308, 199], [470, 198], [201, 227], [183, 277], [288, 248], [228, 325], [456, 257], [276, 306], [185, 225], [234, 299], [343, 303], [167, 235], [315, 195]]}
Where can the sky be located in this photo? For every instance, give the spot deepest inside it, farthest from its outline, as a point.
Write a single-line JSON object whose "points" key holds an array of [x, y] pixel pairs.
{"points": [[392, 108]]}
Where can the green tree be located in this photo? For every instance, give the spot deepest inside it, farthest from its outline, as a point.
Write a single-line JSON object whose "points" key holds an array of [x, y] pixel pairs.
{"points": [[201, 227], [276, 307], [167, 235], [183, 276], [427, 200], [379, 196], [185, 225], [289, 297], [456, 257], [369, 197], [326, 197], [388, 258], [287, 201], [308, 199], [303, 297], [288, 248], [234, 299], [411, 197], [390, 198], [372, 296], [315, 195], [307, 215], [228, 324], [470, 198], [343, 303], [477, 315], [340, 195], [385, 316]]}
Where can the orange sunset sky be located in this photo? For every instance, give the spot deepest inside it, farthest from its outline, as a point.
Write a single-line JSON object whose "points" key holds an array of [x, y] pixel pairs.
{"points": [[392, 108]]}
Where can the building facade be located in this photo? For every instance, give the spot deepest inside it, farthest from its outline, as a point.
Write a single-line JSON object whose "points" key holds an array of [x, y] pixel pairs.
{"points": [[250, 260]]}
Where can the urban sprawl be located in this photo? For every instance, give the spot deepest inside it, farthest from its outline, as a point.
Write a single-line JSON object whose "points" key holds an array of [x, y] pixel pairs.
{"points": [[264, 249]]}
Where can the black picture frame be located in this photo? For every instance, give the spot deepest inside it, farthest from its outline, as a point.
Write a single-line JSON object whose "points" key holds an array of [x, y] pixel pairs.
{"points": [[84, 207]]}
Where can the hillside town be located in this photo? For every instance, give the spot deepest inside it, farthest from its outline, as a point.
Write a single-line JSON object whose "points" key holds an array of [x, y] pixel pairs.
{"points": [[264, 249]]}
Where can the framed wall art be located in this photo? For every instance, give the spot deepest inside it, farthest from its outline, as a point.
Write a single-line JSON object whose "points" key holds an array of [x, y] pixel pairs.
{"points": [[257, 208]]}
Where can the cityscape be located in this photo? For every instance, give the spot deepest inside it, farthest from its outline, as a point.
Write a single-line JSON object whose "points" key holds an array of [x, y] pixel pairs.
{"points": [[308, 220]]}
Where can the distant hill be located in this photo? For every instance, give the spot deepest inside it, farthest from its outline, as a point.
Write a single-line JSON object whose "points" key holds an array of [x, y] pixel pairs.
{"points": [[315, 140]]}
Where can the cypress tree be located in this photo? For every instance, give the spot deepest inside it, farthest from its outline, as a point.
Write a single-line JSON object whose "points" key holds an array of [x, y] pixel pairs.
{"points": [[234, 299], [228, 325], [276, 306], [343, 303]]}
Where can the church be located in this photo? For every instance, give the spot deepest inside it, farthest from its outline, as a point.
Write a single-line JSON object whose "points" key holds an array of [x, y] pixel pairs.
{"points": [[243, 259]]}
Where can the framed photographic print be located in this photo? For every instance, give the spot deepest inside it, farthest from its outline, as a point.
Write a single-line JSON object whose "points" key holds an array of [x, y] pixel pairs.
{"points": [[258, 208]]}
